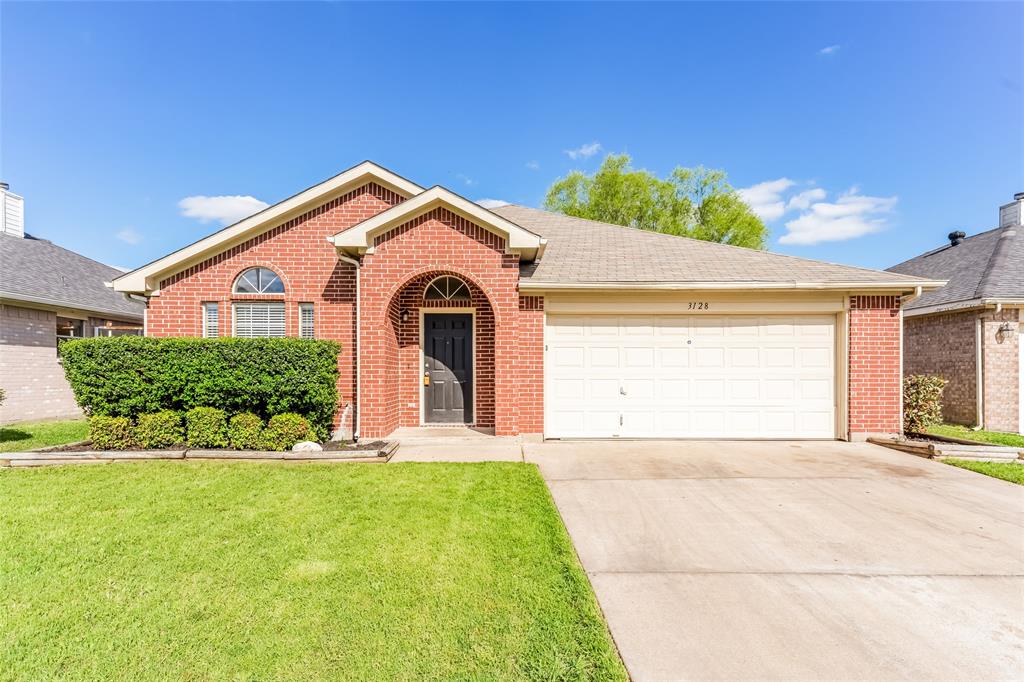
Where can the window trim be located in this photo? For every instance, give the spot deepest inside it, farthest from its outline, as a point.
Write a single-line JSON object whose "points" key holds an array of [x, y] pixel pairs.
{"points": [[454, 296]]}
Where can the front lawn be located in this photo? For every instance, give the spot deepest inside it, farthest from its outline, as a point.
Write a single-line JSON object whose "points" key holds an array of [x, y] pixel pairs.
{"points": [[181, 570], [21, 437], [1008, 471], [994, 437]]}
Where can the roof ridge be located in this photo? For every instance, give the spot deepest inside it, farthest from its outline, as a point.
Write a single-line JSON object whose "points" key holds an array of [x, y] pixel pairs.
{"points": [[704, 241], [998, 258]]}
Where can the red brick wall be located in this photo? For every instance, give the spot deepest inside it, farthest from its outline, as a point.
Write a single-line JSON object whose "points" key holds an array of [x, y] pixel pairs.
{"points": [[404, 259], [299, 252], [874, 357], [530, 363]]}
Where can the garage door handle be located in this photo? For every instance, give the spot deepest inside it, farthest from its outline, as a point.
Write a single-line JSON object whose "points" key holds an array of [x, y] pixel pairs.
{"points": [[622, 390]]}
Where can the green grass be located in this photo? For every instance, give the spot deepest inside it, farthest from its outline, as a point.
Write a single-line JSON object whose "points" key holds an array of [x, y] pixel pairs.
{"points": [[21, 437], [1008, 471], [994, 437], [202, 570]]}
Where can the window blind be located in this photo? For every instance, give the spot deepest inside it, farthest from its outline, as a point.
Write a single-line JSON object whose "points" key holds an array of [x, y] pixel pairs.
{"points": [[211, 320], [259, 320], [306, 327]]}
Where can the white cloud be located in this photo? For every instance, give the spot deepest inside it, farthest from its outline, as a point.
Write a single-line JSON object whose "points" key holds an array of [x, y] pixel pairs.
{"points": [[491, 203], [129, 235], [533, 165], [830, 50], [465, 179], [223, 209], [803, 200], [584, 151], [851, 215], [765, 198]]}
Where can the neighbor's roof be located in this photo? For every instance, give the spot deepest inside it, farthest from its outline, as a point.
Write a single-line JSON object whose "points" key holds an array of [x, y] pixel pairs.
{"points": [[38, 271], [584, 252], [987, 267]]}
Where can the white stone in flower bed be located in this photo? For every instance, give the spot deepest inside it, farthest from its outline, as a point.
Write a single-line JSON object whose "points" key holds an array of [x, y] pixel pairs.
{"points": [[307, 446]]}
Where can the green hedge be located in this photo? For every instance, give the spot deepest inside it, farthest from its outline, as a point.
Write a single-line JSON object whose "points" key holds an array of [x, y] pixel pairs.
{"points": [[922, 401], [132, 375]]}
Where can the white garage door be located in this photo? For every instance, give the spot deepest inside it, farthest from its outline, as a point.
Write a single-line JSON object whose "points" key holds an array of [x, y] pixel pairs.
{"points": [[690, 376]]}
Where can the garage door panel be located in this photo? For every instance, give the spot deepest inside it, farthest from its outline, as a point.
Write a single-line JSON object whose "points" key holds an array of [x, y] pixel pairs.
{"points": [[691, 376]]}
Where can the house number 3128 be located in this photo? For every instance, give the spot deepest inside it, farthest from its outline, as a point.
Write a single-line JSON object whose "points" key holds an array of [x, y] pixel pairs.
{"points": [[699, 305]]}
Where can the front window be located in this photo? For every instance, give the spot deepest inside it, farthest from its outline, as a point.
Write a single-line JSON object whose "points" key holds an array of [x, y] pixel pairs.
{"points": [[307, 327], [447, 288], [259, 281], [258, 320], [211, 320]]}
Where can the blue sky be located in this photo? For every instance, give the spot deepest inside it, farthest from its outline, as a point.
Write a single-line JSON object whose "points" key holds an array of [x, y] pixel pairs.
{"points": [[865, 132]]}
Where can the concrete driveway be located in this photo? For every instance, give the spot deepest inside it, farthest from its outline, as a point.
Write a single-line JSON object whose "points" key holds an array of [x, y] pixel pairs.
{"points": [[736, 560]]}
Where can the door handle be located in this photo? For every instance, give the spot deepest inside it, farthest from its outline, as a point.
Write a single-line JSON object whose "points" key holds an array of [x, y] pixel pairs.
{"points": [[622, 390]]}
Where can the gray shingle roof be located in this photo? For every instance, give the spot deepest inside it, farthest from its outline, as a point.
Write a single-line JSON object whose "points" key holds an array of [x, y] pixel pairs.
{"points": [[989, 265], [39, 271], [585, 251]]}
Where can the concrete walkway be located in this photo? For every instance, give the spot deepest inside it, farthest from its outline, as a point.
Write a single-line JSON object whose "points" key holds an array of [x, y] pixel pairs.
{"points": [[454, 444], [738, 560]]}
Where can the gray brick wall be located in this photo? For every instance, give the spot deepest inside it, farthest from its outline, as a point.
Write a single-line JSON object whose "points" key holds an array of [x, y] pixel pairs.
{"points": [[1002, 360], [945, 345], [30, 373]]}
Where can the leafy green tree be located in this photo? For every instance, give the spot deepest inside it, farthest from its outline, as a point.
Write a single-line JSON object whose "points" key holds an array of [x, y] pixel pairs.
{"points": [[691, 202]]}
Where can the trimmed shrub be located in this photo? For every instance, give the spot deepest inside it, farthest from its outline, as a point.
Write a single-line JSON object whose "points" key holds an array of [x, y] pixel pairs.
{"points": [[159, 430], [922, 401], [245, 431], [111, 433], [131, 375], [285, 430], [206, 427]]}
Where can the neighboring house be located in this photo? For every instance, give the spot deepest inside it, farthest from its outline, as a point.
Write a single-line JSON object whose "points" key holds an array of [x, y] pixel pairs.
{"points": [[969, 331], [528, 322], [48, 294]]}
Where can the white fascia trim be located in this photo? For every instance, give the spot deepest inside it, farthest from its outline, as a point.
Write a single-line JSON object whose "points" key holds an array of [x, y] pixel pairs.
{"points": [[961, 306], [694, 286], [359, 239], [143, 280]]}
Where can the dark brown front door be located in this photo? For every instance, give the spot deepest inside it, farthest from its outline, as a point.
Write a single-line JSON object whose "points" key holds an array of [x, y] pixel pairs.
{"points": [[448, 368]]}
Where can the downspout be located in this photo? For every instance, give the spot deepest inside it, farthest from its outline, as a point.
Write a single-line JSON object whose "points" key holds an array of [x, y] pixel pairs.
{"points": [[979, 378], [357, 420], [904, 300]]}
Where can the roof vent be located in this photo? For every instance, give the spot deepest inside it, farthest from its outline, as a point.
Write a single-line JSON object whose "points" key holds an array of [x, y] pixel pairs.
{"points": [[956, 237], [1010, 214], [12, 212]]}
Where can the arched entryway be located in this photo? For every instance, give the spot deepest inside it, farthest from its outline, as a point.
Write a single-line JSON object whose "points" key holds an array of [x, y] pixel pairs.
{"points": [[441, 339]]}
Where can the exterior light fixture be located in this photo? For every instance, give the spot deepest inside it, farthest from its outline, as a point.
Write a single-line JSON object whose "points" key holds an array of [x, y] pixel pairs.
{"points": [[1004, 329], [404, 316]]}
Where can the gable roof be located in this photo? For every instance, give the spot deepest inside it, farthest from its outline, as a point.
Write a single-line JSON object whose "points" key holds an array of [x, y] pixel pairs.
{"points": [[987, 267], [587, 254], [38, 271], [359, 238], [146, 278]]}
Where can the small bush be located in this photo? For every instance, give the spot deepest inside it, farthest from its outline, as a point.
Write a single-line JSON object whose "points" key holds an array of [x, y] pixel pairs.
{"points": [[2, 396], [922, 401], [285, 430], [245, 431], [159, 430], [111, 433], [207, 427]]}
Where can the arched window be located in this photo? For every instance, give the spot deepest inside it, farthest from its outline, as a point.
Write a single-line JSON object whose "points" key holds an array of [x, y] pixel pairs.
{"points": [[259, 281], [447, 288]]}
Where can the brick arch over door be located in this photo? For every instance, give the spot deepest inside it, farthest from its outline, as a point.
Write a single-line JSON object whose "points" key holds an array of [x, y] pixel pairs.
{"points": [[403, 261], [409, 372]]}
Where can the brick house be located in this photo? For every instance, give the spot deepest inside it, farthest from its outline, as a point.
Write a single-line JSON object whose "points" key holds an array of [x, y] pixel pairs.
{"points": [[970, 330], [520, 321], [48, 294]]}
